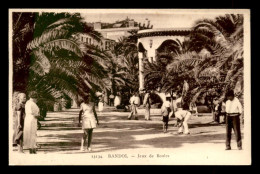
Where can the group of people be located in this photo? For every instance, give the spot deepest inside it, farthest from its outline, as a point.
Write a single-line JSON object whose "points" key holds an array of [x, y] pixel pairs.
{"points": [[182, 116], [231, 112], [116, 100], [167, 111], [26, 114], [219, 110]]}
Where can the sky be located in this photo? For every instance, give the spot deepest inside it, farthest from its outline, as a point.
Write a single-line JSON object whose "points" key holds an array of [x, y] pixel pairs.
{"points": [[159, 19]]}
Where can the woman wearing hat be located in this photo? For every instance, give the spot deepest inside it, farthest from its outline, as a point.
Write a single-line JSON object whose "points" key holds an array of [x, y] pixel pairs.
{"points": [[32, 112], [19, 108]]}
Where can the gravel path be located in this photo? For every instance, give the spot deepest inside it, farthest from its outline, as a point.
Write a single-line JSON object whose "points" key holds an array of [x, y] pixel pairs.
{"points": [[118, 140]]}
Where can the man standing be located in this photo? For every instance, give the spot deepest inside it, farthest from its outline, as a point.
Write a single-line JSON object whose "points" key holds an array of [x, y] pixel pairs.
{"points": [[233, 111], [147, 104], [134, 102]]}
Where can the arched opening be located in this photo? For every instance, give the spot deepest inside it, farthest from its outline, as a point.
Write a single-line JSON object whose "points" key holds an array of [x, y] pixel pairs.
{"points": [[141, 47], [168, 49], [156, 100]]}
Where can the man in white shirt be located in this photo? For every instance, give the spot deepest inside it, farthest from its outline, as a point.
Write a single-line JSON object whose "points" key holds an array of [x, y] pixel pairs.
{"points": [[233, 111], [134, 102]]}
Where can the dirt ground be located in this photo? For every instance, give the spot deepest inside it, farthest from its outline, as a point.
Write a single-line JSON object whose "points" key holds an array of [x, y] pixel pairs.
{"points": [[116, 134]]}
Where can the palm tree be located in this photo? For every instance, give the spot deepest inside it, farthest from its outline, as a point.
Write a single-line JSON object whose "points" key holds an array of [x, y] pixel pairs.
{"points": [[129, 60], [155, 74], [120, 66], [58, 64], [218, 31], [223, 67], [23, 24], [212, 73], [228, 52], [173, 58], [115, 70]]}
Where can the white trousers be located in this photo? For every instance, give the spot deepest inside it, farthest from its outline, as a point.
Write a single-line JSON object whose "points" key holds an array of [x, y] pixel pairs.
{"points": [[185, 128]]}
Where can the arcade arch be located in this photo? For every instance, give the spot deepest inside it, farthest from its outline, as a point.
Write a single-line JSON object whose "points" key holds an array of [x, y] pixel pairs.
{"points": [[152, 40]]}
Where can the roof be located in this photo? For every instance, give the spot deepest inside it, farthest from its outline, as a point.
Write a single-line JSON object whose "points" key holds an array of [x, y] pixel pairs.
{"points": [[164, 29], [117, 29], [164, 32]]}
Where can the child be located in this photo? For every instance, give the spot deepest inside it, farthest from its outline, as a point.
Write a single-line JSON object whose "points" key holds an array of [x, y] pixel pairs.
{"points": [[182, 119], [165, 109]]}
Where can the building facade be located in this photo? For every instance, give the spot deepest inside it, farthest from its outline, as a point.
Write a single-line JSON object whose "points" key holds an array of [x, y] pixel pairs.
{"points": [[150, 40], [110, 32], [116, 31]]}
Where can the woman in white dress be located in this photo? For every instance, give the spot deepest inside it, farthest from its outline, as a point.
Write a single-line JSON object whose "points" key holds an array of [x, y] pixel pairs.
{"points": [[117, 100], [32, 112], [89, 122]]}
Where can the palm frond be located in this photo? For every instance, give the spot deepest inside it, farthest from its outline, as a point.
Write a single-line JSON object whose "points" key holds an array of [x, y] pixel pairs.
{"points": [[182, 64]]}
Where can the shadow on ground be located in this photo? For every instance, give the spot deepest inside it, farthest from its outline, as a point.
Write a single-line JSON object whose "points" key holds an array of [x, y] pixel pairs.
{"points": [[117, 133]]}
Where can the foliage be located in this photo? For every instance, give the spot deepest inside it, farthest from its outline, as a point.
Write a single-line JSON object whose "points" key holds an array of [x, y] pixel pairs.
{"points": [[212, 73], [49, 58], [54, 63]]}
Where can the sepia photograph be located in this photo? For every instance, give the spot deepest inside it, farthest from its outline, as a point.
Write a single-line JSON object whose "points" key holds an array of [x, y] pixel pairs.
{"points": [[129, 87]]}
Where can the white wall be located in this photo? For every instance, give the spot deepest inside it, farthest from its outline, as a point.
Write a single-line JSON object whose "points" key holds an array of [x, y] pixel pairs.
{"points": [[156, 42]]}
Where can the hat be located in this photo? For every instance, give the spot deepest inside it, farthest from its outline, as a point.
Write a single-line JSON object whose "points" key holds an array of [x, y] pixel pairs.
{"points": [[86, 97], [230, 93]]}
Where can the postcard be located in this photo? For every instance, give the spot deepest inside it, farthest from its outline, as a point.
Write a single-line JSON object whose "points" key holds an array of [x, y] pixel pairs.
{"points": [[129, 87]]}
